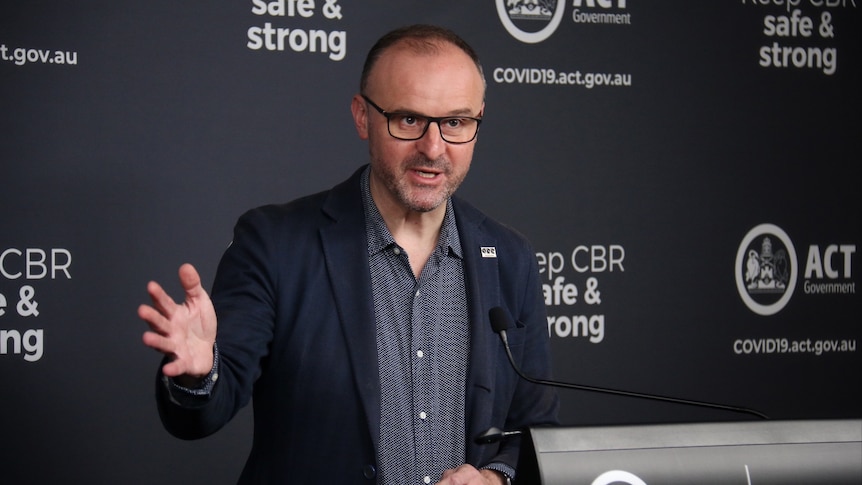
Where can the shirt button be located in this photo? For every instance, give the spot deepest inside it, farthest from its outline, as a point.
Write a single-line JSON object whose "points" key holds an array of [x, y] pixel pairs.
{"points": [[396, 250], [420, 354], [427, 479], [422, 415]]}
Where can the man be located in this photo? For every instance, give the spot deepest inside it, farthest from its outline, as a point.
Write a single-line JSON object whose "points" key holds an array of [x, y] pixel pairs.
{"points": [[357, 318]]}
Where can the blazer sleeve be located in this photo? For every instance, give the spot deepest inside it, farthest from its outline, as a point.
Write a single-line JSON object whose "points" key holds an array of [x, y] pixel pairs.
{"points": [[244, 297]]}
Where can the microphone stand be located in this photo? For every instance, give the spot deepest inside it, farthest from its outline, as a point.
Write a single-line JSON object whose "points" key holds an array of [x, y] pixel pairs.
{"points": [[500, 322]]}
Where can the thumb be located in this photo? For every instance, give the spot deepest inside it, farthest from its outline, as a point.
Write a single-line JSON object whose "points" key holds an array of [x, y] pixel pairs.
{"points": [[191, 281]]}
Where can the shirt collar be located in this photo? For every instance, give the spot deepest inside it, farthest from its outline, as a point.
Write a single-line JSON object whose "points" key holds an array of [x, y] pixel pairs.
{"points": [[379, 237]]}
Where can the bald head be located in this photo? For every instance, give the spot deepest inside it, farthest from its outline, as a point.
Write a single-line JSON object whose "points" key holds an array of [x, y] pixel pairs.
{"points": [[422, 40]]}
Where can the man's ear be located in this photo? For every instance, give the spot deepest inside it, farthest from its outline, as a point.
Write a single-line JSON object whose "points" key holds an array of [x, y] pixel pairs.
{"points": [[360, 116]]}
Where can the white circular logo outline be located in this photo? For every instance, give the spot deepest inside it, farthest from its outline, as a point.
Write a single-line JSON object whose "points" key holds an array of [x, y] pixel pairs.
{"points": [[531, 37], [759, 308], [615, 476]]}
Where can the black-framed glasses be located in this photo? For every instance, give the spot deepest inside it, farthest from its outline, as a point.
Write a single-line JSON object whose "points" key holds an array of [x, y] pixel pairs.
{"points": [[412, 126]]}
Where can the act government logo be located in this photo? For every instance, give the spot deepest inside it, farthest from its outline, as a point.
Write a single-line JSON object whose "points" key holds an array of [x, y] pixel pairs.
{"points": [[766, 269], [531, 21]]}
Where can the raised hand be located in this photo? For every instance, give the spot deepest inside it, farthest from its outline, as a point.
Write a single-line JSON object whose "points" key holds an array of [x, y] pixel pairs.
{"points": [[184, 332]]}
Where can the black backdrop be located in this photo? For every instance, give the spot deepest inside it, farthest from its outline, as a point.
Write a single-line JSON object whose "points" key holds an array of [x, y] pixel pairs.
{"points": [[646, 148]]}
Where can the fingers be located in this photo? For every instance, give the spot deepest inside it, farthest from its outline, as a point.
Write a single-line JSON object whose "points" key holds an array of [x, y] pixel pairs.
{"points": [[158, 318], [158, 337], [174, 368], [448, 473], [164, 304], [161, 341], [158, 342], [154, 318], [463, 475], [161, 300], [468, 475], [184, 331]]}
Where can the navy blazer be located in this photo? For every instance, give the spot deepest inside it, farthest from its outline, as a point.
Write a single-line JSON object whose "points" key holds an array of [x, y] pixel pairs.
{"points": [[296, 332]]}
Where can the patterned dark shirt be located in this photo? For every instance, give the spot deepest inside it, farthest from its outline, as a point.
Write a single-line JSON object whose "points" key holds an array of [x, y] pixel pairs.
{"points": [[422, 347]]}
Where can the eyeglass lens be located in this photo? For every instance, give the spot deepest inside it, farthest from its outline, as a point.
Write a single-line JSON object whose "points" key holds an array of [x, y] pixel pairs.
{"points": [[412, 127]]}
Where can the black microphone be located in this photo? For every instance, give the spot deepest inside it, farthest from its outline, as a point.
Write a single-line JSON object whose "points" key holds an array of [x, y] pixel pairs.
{"points": [[500, 322], [494, 435]]}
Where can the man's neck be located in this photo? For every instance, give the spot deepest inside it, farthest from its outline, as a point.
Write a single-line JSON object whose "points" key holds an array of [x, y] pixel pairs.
{"points": [[415, 231]]}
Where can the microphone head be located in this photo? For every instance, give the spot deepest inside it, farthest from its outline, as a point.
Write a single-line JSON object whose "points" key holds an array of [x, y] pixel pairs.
{"points": [[492, 435], [500, 320]]}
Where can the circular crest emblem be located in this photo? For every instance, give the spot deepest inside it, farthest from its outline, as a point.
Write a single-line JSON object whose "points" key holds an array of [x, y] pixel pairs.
{"points": [[766, 269], [531, 21]]}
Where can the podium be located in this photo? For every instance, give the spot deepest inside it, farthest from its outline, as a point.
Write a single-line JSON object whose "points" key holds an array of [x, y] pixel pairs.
{"points": [[744, 453]]}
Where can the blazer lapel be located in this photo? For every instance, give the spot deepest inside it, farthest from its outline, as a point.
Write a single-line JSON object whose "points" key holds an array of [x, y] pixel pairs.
{"points": [[483, 292], [344, 247]]}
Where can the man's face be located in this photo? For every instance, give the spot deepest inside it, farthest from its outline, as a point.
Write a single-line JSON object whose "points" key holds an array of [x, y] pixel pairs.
{"points": [[418, 175]]}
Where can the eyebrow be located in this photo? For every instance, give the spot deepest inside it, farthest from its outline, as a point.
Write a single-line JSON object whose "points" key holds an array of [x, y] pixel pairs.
{"points": [[461, 112]]}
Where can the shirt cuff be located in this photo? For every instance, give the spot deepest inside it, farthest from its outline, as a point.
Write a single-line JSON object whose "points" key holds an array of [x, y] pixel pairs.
{"points": [[503, 468], [189, 395]]}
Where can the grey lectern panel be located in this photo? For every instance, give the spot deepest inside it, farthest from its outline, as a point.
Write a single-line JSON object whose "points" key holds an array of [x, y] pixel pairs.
{"points": [[749, 453]]}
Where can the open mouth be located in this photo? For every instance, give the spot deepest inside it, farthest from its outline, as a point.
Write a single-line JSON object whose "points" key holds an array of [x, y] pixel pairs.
{"points": [[426, 175]]}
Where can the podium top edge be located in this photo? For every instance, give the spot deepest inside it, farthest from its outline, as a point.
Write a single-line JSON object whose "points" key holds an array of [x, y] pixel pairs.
{"points": [[615, 437]]}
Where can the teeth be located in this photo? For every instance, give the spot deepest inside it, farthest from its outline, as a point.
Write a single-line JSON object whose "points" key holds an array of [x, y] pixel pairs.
{"points": [[426, 174]]}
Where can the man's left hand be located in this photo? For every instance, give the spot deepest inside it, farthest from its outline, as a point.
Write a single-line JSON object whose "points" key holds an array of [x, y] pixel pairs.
{"points": [[469, 475]]}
